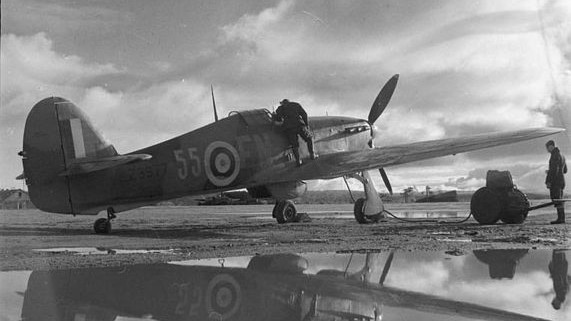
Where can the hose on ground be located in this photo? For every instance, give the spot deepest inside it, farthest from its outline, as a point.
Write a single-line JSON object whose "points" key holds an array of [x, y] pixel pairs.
{"points": [[429, 221]]}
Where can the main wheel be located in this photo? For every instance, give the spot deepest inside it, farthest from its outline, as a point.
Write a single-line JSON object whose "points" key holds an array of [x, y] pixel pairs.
{"points": [[102, 226], [284, 212], [486, 206], [359, 212]]}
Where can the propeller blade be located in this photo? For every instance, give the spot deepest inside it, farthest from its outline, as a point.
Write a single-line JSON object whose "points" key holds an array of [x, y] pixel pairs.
{"points": [[386, 180], [383, 99], [387, 267]]}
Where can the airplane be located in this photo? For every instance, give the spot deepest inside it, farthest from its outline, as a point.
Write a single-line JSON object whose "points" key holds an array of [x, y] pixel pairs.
{"points": [[270, 287], [70, 169]]}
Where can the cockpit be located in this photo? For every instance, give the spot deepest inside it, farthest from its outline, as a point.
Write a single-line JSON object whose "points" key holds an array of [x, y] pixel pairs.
{"points": [[254, 117]]}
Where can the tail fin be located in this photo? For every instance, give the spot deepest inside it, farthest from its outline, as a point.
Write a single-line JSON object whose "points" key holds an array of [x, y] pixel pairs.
{"points": [[57, 133]]}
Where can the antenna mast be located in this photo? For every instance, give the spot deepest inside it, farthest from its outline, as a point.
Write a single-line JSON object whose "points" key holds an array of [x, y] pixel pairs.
{"points": [[213, 103]]}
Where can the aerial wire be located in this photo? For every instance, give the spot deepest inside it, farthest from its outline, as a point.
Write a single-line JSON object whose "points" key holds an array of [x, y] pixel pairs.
{"points": [[213, 103]]}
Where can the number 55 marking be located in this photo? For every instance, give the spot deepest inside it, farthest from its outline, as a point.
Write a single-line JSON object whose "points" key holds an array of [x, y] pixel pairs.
{"points": [[183, 162]]}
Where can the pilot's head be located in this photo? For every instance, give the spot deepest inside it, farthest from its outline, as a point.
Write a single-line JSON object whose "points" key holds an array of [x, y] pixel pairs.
{"points": [[284, 101], [550, 145]]}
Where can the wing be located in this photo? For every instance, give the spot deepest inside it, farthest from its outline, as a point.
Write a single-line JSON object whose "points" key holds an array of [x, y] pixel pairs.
{"points": [[343, 163]]}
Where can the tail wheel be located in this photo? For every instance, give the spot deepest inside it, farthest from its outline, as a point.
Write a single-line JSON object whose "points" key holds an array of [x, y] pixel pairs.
{"points": [[102, 226], [285, 212], [359, 212]]}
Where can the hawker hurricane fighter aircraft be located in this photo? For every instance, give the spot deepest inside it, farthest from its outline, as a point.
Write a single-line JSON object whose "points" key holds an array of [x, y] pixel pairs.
{"points": [[70, 169]]}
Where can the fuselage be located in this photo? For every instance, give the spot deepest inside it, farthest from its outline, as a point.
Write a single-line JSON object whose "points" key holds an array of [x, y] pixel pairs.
{"points": [[221, 156]]}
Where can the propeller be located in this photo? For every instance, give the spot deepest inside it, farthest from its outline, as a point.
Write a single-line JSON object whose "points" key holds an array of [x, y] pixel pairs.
{"points": [[383, 99], [387, 267], [386, 180], [377, 109]]}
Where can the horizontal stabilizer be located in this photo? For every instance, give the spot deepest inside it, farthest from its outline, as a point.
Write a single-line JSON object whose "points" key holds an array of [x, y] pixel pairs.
{"points": [[84, 166]]}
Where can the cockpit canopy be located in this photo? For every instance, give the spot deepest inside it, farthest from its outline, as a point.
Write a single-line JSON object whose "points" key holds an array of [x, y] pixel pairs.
{"points": [[254, 117]]}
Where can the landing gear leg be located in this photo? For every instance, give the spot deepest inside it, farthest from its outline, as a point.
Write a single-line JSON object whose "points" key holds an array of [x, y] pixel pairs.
{"points": [[369, 209], [103, 225], [284, 211]]}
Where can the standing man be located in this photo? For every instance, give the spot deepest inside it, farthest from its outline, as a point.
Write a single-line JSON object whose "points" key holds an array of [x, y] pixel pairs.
{"points": [[555, 180], [295, 123]]}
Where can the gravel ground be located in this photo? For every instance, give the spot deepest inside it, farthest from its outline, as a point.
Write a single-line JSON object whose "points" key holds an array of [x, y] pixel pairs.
{"points": [[222, 231]]}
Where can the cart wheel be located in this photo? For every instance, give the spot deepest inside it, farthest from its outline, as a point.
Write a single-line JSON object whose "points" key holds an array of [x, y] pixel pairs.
{"points": [[486, 206], [516, 209]]}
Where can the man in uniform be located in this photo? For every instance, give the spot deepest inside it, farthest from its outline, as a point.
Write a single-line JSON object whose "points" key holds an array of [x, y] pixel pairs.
{"points": [[555, 180], [295, 123]]}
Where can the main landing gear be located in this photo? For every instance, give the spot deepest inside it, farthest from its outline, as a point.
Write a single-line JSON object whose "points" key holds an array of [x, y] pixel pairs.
{"points": [[103, 225], [369, 209], [285, 212]]}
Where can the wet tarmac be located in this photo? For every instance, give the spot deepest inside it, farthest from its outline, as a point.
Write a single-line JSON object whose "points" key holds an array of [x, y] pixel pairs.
{"points": [[99, 251], [516, 284], [34, 240]]}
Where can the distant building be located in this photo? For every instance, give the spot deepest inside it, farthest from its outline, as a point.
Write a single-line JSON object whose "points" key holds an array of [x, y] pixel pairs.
{"points": [[409, 194], [15, 199]]}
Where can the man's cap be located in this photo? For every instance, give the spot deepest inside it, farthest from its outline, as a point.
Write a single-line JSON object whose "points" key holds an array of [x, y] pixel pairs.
{"points": [[550, 143], [284, 101]]}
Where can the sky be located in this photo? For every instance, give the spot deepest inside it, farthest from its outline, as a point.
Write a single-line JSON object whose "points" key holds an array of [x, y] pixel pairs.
{"points": [[141, 70]]}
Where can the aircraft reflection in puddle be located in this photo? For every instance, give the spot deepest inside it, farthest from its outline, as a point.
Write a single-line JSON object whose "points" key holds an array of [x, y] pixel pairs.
{"points": [[273, 287]]}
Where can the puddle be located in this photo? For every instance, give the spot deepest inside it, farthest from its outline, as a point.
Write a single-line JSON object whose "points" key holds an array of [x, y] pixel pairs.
{"points": [[455, 240], [473, 285], [101, 251], [420, 214], [431, 214]]}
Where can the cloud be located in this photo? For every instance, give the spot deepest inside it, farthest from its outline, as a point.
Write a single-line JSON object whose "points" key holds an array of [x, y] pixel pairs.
{"points": [[31, 66], [31, 70], [466, 68], [465, 279], [137, 119], [254, 28], [429, 277], [489, 74], [529, 177], [55, 17]]}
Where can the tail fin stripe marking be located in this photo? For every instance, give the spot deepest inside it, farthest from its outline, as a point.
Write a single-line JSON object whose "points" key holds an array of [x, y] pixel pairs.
{"points": [[77, 137]]}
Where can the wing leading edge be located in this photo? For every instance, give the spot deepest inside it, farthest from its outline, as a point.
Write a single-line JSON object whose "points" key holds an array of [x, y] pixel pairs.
{"points": [[343, 163]]}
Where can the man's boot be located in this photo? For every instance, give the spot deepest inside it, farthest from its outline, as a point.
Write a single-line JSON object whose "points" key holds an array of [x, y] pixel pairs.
{"points": [[560, 216], [298, 161]]}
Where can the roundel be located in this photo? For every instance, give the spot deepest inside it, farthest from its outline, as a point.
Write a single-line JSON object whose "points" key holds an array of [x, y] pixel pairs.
{"points": [[222, 163], [223, 297]]}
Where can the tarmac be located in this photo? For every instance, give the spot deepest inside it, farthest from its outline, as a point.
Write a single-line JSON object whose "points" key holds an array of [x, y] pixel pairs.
{"points": [[35, 240]]}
